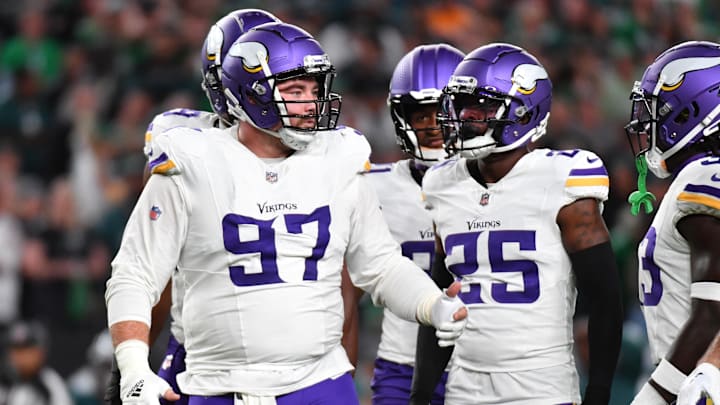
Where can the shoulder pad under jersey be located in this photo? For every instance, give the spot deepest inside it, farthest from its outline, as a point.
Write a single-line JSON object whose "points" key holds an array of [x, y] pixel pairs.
{"points": [[700, 182], [584, 174], [349, 146], [441, 174], [179, 117], [171, 148]]}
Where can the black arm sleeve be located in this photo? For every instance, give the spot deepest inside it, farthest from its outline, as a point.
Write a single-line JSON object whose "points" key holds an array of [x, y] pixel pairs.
{"points": [[598, 281], [430, 359], [112, 390]]}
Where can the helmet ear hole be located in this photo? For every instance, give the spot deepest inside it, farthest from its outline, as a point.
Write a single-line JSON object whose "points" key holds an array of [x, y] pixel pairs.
{"points": [[525, 119], [683, 116]]}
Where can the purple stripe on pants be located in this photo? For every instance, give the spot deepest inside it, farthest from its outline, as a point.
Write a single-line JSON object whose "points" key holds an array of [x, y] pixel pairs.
{"points": [[391, 384], [173, 365], [328, 392]]}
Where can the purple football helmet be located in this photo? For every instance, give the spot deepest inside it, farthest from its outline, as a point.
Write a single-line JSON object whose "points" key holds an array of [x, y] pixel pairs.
{"points": [[269, 54], [418, 80], [510, 92], [675, 107], [217, 44]]}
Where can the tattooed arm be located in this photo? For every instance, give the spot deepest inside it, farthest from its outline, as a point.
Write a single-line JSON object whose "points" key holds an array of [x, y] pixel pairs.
{"points": [[587, 241]]}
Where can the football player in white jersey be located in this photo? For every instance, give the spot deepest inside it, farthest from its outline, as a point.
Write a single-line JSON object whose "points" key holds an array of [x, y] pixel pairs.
{"points": [[217, 43], [415, 89], [258, 219], [522, 229], [674, 131]]}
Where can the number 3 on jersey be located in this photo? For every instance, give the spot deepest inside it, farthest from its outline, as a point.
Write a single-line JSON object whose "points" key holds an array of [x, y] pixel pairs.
{"points": [[265, 245], [650, 294], [525, 240]]}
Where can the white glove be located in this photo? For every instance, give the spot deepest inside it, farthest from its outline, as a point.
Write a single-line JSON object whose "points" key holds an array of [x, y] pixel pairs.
{"points": [[447, 329], [704, 380], [145, 389], [138, 384]]}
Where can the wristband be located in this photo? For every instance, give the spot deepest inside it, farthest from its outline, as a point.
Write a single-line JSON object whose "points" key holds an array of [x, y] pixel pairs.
{"points": [[668, 376], [648, 396], [423, 314], [706, 290], [132, 357]]}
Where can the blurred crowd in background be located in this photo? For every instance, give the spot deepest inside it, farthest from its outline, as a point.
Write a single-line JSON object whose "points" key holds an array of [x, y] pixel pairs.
{"points": [[81, 79]]}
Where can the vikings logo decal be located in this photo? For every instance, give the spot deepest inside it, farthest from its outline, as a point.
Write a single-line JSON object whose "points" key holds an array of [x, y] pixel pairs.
{"points": [[214, 43], [525, 77], [673, 74], [250, 54]]}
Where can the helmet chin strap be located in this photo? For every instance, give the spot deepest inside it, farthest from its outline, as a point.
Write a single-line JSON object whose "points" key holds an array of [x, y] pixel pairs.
{"points": [[478, 153], [292, 139], [431, 156]]}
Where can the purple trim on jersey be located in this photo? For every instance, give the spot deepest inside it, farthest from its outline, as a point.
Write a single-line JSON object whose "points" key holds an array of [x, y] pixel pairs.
{"points": [[328, 392], [594, 171], [702, 189], [690, 160], [391, 384], [158, 161], [171, 367], [150, 126], [379, 170], [445, 163]]}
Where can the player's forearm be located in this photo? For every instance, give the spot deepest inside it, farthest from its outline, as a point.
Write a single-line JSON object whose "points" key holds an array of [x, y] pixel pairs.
{"points": [[127, 330], [695, 337], [712, 355]]}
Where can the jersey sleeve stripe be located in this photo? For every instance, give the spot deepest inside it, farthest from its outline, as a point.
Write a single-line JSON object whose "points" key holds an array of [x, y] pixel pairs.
{"points": [[593, 171], [713, 202], [588, 182], [161, 165], [387, 169], [703, 189]]}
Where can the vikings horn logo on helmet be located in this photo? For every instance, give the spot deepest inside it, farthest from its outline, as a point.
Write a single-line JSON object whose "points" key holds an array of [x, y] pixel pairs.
{"points": [[672, 75], [525, 76], [250, 53], [214, 42]]}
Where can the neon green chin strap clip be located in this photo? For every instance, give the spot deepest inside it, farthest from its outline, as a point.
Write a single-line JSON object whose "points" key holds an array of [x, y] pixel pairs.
{"points": [[641, 196]]}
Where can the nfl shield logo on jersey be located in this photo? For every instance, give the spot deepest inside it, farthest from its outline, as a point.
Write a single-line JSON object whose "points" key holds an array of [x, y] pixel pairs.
{"points": [[155, 212], [167, 362], [271, 177], [485, 199]]}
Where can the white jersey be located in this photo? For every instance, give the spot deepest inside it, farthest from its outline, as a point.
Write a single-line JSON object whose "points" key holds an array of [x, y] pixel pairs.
{"points": [[664, 255], [504, 244], [410, 224], [259, 247], [178, 117]]}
